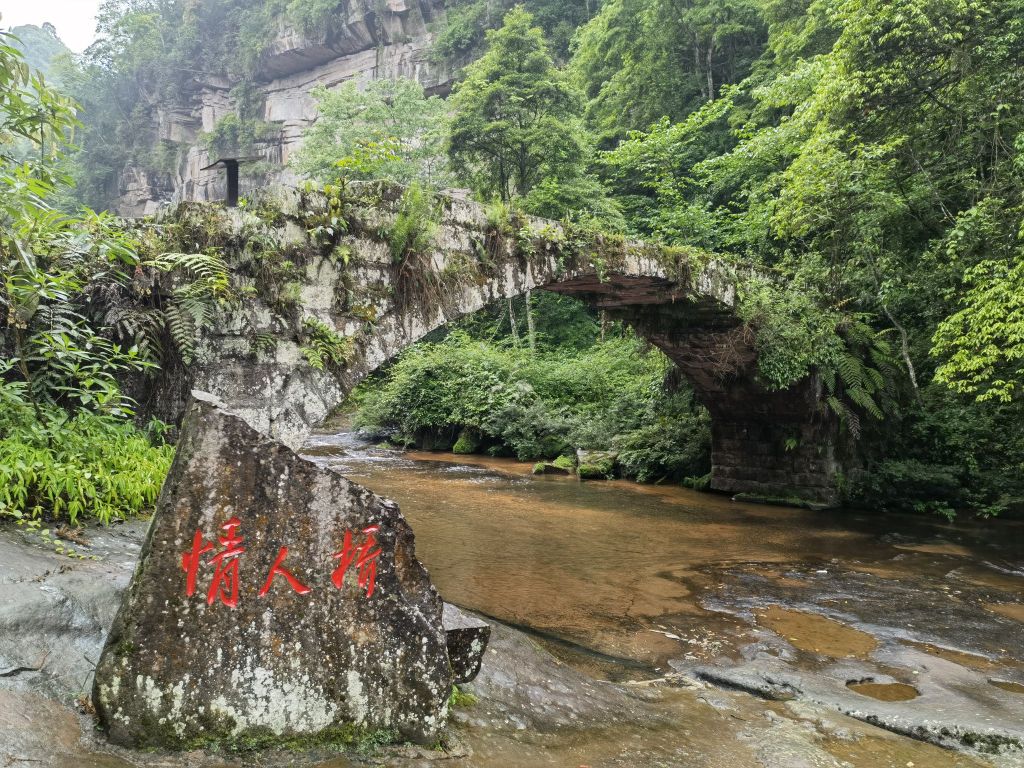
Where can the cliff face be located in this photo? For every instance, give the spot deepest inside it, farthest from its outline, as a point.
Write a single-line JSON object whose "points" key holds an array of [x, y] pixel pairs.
{"points": [[375, 39]]}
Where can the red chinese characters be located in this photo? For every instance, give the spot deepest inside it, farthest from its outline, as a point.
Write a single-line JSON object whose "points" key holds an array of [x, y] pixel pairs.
{"points": [[225, 582], [190, 562], [276, 569], [364, 558]]}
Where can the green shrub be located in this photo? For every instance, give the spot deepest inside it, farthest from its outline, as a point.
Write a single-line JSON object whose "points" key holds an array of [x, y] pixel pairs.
{"points": [[543, 405], [68, 469], [413, 229]]}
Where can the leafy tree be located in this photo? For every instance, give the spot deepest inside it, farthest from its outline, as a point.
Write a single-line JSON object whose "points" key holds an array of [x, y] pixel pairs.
{"points": [[638, 61], [516, 130], [983, 343], [873, 160], [466, 23], [389, 129], [40, 46]]}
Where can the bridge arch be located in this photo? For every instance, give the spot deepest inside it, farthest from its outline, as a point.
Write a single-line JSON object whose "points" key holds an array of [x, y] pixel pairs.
{"points": [[354, 277]]}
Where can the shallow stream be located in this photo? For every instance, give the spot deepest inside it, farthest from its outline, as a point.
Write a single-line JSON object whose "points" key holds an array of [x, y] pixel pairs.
{"points": [[636, 575]]}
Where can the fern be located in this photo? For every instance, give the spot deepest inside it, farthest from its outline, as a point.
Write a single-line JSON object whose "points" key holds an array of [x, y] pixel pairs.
{"points": [[205, 288], [323, 346], [182, 329], [862, 378], [208, 273]]}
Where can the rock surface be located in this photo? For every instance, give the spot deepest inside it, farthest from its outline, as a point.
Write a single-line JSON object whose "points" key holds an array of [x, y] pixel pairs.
{"points": [[273, 599], [467, 638], [366, 42]]}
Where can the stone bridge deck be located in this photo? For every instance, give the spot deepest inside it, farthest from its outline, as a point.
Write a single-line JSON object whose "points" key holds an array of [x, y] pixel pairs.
{"points": [[309, 261]]}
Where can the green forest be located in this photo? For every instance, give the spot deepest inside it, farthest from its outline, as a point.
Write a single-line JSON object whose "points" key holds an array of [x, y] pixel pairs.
{"points": [[866, 157]]}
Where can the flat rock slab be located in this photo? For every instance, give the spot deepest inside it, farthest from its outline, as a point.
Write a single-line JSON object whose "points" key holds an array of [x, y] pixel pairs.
{"points": [[274, 600]]}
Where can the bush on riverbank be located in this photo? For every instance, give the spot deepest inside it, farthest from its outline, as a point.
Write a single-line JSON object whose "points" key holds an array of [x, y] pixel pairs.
{"points": [[68, 468], [542, 404]]}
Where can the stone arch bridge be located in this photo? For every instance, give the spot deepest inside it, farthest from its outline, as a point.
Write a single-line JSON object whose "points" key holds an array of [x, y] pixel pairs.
{"points": [[304, 262]]}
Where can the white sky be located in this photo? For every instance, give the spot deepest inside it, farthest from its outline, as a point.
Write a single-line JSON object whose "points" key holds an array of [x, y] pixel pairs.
{"points": [[75, 20]]}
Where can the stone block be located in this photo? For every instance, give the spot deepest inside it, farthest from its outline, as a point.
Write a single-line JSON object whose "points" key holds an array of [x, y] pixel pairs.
{"points": [[274, 599], [467, 638]]}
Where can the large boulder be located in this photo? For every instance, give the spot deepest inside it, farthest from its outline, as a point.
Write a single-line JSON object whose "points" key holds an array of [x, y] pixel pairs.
{"points": [[273, 600]]}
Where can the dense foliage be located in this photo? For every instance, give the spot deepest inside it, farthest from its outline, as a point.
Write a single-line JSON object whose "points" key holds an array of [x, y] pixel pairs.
{"points": [[865, 155], [874, 159], [516, 128], [639, 61], [388, 130], [70, 468], [68, 449], [542, 404], [462, 33]]}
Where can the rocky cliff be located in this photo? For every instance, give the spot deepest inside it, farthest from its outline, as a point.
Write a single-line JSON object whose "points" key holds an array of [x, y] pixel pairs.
{"points": [[374, 39]]}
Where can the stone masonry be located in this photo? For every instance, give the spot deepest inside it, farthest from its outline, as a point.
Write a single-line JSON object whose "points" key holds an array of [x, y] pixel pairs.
{"points": [[778, 444]]}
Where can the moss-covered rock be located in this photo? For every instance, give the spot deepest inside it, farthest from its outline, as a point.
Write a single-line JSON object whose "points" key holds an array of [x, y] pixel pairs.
{"points": [[275, 602], [596, 465], [468, 442]]}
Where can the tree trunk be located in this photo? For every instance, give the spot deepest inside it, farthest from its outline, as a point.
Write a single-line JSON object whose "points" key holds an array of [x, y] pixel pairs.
{"points": [[512, 324], [711, 74], [531, 332]]}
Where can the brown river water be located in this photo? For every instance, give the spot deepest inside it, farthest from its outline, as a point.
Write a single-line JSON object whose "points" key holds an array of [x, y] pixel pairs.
{"points": [[628, 582], [637, 574]]}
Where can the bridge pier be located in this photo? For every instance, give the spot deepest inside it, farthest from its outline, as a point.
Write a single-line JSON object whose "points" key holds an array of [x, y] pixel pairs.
{"points": [[762, 454]]}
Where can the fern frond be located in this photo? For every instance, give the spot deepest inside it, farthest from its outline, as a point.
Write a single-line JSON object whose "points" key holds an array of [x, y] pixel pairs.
{"points": [[850, 369], [182, 330], [861, 397]]}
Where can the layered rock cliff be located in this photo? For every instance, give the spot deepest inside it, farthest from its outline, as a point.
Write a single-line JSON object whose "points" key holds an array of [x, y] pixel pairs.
{"points": [[373, 39]]}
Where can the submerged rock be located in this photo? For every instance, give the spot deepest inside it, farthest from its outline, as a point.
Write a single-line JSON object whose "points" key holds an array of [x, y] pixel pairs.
{"points": [[273, 600]]}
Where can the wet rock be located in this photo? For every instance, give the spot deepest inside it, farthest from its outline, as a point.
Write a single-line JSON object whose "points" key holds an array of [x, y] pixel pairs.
{"points": [[55, 611], [952, 706], [550, 468], [273, 599], [467, 638], [522, 687], [596, 464], [35, 731], [767, 687]]}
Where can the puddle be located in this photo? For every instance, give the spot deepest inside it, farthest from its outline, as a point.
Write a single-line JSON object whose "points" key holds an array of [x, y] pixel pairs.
{"points": [[1006, 685], [884, 691], [882, 750], [969, 660], [817, 634]]}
